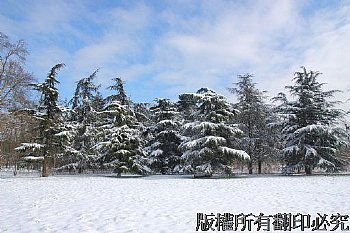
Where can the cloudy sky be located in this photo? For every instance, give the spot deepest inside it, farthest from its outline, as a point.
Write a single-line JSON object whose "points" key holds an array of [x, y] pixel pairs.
{"points": [[163, 48]]}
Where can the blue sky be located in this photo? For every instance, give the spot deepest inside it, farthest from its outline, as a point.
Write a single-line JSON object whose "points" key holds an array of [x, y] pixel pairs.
{"points": [[164, 48]]}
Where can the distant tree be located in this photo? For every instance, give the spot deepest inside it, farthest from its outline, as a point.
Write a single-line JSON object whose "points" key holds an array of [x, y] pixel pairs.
{"points": [[253, 121], [120, 94], [163, 150], [207, 148], [50, 122], [16, 127], [14, 79], [14, 94], [309, 127]]}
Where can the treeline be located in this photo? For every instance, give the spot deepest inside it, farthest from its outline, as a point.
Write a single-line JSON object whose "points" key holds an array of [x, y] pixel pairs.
{"points": [[201, 132]]}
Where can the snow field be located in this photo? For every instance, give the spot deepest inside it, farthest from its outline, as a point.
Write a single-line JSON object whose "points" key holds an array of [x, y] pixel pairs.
{"points": [[158, 203]]}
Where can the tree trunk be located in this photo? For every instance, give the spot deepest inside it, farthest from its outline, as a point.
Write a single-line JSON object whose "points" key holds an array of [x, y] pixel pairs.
{"points": [[308, 170], [259, 167], [45, 172], [250, 167], [54, 162], [15, 171], [202, 175]]}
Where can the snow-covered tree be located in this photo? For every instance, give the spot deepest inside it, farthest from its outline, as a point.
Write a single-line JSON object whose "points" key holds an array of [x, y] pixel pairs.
{"points": [[208, 146], [84, 119], [343, 153], [49, 117], [253, 121], [120, 145], [98, 102], [163, 150], [143, 113], [187, 105], [120, 94], [309, 125]]}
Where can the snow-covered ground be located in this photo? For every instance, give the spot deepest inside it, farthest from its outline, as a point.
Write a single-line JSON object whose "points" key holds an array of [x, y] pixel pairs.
{"points": [[158, 203]]}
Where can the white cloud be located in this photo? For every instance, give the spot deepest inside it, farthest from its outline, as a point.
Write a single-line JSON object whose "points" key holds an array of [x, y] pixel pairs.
{"points": [[225, 44], [118, 45], [270, 39], [188, 44], [328, 50]]}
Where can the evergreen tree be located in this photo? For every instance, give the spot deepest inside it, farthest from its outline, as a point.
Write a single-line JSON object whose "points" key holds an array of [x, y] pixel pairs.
{"points": [[309, 125], [120, 94], [253, 120], [208, 146], [98, 102], [120, 145], [163, 150], [343, 153], [85, 104], [143, 113], [49, 116]]}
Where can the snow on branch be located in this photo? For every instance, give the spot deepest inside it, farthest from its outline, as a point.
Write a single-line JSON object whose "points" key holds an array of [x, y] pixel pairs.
{"points": [[325, 163], [33, 158], [29, 146], [202, 126], [310, 151], [239, 153], [167, 123], [157, 152], [291, 149], [313, 128], [122, 152], [65, 134], [204, 142], [206, 168]]}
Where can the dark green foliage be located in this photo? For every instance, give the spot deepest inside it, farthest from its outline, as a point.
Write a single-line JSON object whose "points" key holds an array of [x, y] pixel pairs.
{"points": [[84, 118], [308, 126], [120, 95], [207, 147], [187, 106], [253, 121], [163, 147], [50, 122], [120, 143]]}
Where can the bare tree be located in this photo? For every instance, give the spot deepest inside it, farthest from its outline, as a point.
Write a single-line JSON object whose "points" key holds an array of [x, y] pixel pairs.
{"points": [[14, 90], [15, 127], [14, 79]]}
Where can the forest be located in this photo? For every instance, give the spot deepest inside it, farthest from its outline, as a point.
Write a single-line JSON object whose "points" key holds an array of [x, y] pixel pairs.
{"points": [[298, 131]]}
